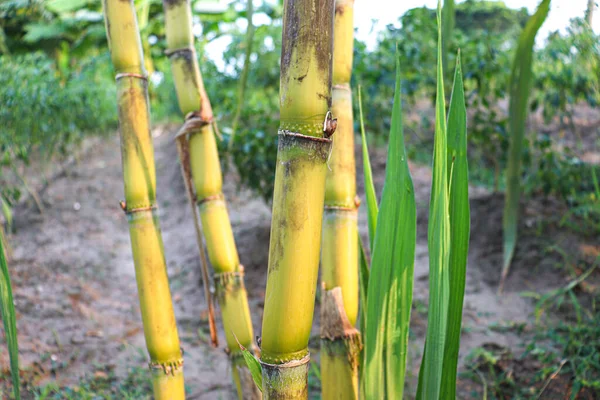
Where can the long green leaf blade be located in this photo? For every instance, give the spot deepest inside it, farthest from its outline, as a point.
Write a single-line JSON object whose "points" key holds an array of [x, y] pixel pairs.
{"points": [[438, 244], [372, 207], [253, 365], [460, 222], [363, 277], [520, 83], [388, 307], [10, 321]]}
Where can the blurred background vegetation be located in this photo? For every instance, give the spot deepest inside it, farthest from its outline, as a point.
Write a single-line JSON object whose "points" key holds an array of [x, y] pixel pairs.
{"points": [[57, 86]]}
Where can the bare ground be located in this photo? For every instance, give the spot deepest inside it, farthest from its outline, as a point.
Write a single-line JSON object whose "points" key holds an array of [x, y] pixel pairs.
{"points": [[75, 291]]}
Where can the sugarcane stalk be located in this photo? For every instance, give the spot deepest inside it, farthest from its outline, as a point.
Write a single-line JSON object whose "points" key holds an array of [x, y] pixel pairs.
{"points": [[139, 175], [304, 146], [340, 340], [198, 135]]}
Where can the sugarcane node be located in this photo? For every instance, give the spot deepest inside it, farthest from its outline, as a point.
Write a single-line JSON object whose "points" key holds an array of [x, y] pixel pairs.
{"points": [[289, 364], [168, 367], [341, 86], [316, 148], [130, 75], [137, 209], [207, 199], [333, 207], [185, 52], [288, 380]]}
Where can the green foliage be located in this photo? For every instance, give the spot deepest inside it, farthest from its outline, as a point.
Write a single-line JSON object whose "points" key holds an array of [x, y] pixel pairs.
{"points": [[254, 147], [253, 365], [568, 72], [372, 206], [388, 307], [9, 319], [438, 240], [520, 84], [460, 223]]}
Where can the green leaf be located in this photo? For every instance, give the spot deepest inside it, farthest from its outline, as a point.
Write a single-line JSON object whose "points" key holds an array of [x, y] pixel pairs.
{"points": [[392, 268], [520, 84], [363, 277], [10, 322], [65, 6], [448, 14], [253, 365], [372, 207], [460, 222], [7, 212], [364, 281], [439, 246], [45, 31]]}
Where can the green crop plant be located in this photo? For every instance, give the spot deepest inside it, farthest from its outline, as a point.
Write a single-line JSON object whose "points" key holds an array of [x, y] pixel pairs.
{"points": [[388, 307], [385, 314], [7, 312], [139, 176], [519, 88], [201, 170]]}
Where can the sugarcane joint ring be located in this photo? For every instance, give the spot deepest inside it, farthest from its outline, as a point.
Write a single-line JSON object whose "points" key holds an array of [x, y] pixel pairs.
{"points": [[342, 86], [290, 364], [304, 137], [226, 281], [130, 75], [340, 208], [180, 51], [214, 197], [133, 210], [168, 368]]}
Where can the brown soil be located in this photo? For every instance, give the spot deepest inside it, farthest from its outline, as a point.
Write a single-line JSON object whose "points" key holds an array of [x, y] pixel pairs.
{"points": [[75, 291]]}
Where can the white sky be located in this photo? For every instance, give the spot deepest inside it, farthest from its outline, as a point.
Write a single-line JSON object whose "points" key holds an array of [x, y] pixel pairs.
{"points": [[388, 11]]}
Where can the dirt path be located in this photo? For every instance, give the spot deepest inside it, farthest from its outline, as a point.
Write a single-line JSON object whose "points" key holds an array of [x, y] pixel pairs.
{"points": [[76, 295]]}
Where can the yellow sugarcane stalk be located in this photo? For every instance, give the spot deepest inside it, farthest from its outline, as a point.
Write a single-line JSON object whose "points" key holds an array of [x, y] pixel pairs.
{"points": [[198, 138], [304, 146], [340, 341], [139, 176]]}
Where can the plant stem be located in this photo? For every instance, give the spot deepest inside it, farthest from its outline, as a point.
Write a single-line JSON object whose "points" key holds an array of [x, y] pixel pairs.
{"points": [[139, 175], [340, 341], [208, 183], [298, 199]]}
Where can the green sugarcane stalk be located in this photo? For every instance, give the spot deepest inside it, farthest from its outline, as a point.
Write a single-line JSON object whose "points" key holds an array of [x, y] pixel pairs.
{"points": [[340, 340], [304, 145], [197, 140], [139, 175]]}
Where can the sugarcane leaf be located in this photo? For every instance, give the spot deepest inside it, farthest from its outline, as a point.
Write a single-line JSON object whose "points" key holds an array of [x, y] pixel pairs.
{"points": [[10, 321], [372, 207], [459, 214], [520, 83], [392, 267], [253, 365], [363, 277], [438, 244], [448, 14]]}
